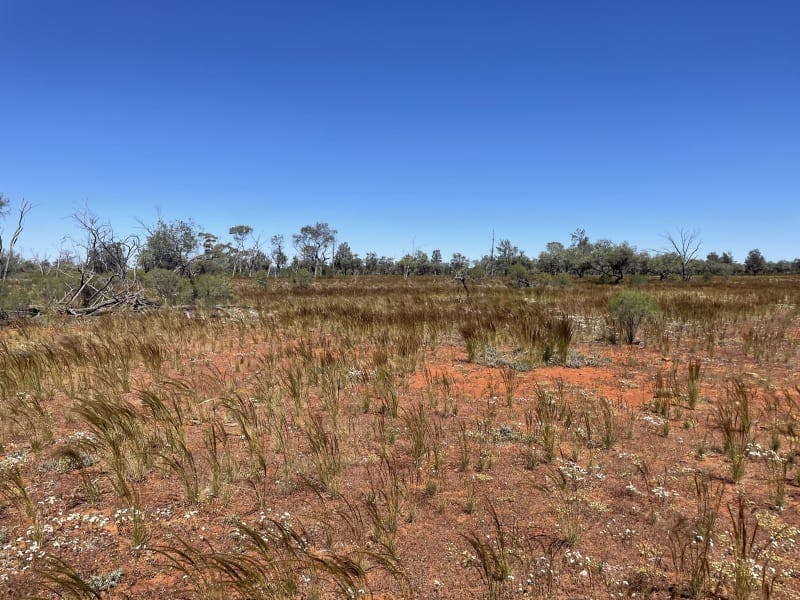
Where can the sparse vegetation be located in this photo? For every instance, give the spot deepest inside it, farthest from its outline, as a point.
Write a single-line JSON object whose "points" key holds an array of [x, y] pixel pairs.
{"points": [[404, 440]]}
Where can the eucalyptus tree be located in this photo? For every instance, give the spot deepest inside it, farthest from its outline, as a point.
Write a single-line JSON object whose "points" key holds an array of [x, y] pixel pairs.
{"points": [[277, 253], [7, 252], [313, 243], [239, 233], [170, 246]]}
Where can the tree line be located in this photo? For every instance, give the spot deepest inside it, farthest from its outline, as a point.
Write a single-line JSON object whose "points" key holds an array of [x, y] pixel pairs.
{"points": [[315, 250]]}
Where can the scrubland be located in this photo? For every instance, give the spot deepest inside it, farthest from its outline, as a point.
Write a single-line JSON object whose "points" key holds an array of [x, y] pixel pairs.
{"points": [[390, 438]]}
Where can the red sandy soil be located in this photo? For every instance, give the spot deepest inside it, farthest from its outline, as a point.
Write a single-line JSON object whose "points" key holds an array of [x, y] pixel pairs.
{"points": [[619, 528]]}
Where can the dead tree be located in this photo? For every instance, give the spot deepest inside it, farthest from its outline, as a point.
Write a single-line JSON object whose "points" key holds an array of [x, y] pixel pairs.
{"points": [[103, 261], [24, 209], [686, 245]]}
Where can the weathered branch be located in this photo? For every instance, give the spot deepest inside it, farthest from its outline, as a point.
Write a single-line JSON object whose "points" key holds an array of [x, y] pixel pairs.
{"points": [[24, 209]]}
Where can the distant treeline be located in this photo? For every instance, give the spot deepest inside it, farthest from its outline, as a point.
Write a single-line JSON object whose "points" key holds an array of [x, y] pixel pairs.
{"points": [[183, 248]]}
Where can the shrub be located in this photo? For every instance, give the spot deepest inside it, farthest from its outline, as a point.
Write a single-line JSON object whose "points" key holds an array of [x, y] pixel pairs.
{"points": [[631, 309], [562, 279], [13, 297], [169, 285], [302, 277], [55, 285], [519, 275], [212, 289], [638, 280]]}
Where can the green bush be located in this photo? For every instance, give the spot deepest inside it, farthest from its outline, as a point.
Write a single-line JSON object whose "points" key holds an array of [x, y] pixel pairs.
{"points": [[302, 277], [212, 289], [562, 279], [14, 296], [630, 310], [55, 285], [637, 280], [519, 275], [169, 285]]}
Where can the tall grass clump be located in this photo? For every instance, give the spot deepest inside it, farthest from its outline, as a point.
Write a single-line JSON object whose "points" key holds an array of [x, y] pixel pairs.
{"points": [[477, 335], [494, 556], [691, 540], [562, 331], [326, 455], [693, 388], [733, 417]]}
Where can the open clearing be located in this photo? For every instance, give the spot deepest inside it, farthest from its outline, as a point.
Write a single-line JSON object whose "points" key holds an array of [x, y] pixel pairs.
{"points": [[378, 437]]}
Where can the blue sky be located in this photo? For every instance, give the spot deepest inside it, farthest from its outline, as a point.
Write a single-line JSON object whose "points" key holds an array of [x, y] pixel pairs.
{"points": [[408, 124]]}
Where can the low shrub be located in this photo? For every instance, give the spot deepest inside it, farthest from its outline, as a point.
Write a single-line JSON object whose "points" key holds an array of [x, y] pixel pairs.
{"points": [[631, 309], [168, 285], [212, 289]]}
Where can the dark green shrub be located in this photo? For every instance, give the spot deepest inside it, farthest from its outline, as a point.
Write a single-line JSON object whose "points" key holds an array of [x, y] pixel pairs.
{"points": [[212, 289], [13, 295], [168, 285], [519, 275]]}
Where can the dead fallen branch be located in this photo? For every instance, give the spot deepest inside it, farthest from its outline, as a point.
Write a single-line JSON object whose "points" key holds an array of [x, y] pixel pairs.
{"points": [[130, 302]]}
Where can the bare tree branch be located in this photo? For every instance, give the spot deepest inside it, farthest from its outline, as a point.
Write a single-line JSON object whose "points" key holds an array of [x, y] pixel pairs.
{"points": [[686, 244], [24, 208]]}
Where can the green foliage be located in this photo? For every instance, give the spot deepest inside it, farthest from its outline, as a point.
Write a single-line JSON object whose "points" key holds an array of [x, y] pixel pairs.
{"points": [[344, 261], [213, 265], [313, 243], [212, 289], [638, 280], [631, 309], [613, 261], [755, 262], [53, 286], [520, 274], [553, 259], [562, 279], [36, 289], [14, 296], [302, 277], [169, 245], [168, 285]]}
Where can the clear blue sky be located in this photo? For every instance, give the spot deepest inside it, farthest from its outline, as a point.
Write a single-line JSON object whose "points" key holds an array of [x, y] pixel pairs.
{"points": [[409, 123]]}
